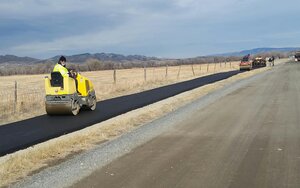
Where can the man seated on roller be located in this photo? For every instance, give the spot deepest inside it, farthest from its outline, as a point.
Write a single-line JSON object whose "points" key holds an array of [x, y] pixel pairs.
{"points": [[61, 67]]}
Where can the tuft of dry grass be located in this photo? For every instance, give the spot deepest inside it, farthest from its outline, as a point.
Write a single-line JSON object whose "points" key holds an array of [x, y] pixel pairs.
{"points": [[23, 163]]}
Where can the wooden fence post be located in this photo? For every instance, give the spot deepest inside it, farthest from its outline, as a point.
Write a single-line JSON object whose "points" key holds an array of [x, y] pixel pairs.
{"points": [[178, 72], [193, 69], [115, 76], [200, 68], [145, 74], [215, 67], [16, 97], [166, 71]]}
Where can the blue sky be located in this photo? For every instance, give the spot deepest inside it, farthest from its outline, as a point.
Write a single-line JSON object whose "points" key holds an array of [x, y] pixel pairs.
{"points": [[165, 28]]}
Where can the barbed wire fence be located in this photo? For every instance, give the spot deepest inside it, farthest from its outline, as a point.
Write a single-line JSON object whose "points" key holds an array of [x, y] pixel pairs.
{"points": [[18, 97]]}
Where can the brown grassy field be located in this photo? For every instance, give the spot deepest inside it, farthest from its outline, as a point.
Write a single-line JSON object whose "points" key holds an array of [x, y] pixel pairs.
{"points": [[28, 99]]}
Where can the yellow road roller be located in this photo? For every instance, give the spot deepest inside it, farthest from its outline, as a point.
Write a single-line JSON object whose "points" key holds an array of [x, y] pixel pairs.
{"points": [[63, 97]]}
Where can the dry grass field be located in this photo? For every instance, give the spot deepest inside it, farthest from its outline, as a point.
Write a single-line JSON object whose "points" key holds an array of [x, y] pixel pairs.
{"points": [[22, 96]]}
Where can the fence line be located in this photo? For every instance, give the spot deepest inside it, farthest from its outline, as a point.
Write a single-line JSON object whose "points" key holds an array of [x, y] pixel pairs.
{"points": [[24, 96]]}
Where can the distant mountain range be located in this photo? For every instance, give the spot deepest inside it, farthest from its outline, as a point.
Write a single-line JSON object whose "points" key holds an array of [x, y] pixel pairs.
{"points": [[79, 58], [16, 59], [256, 51]]}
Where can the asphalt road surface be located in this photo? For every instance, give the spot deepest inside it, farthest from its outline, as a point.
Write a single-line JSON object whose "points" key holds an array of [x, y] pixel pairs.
{"points": [[250, 138], [22, 134]]}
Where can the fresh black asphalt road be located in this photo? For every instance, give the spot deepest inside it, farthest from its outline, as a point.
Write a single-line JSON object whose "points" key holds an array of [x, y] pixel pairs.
{"points": [[26, 133]]}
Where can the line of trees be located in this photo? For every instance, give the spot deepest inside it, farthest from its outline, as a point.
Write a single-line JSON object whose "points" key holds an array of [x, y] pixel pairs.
{"points": [[95, 64]]}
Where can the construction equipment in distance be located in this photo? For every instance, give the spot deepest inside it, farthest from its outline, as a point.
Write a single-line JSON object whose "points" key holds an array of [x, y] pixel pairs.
{"points": [[245, 64], [62, 96], [297, 56], [259, 62]]}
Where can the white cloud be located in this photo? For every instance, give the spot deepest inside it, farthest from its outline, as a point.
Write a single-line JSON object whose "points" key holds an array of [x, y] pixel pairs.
{"points": [[126, 33], [30, 9]]}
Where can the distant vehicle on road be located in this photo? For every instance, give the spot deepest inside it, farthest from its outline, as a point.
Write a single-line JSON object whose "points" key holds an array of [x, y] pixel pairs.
{"points": [[246, 64], [259, 62], [297, 56]]}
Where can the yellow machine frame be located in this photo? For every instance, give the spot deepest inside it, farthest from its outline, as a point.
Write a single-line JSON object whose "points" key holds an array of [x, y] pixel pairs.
{"points": [[84, 85], [65, 99], [69, 87]]}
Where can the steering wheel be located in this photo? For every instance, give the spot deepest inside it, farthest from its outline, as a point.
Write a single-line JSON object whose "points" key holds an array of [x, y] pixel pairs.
{"points": [[73, 73]]}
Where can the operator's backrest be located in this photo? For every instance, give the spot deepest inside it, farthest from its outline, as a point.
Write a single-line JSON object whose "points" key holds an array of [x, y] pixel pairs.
{"points": [[57, 79]]}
